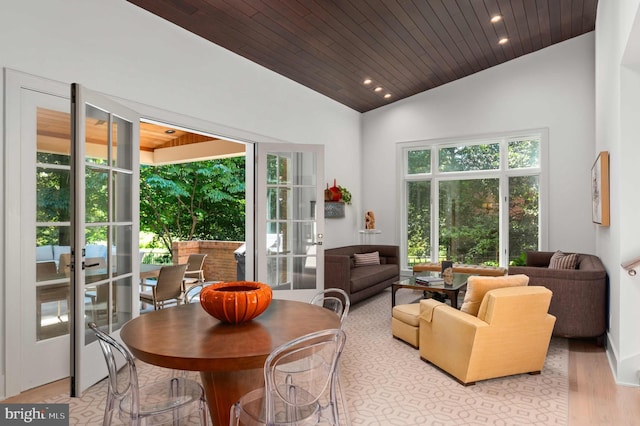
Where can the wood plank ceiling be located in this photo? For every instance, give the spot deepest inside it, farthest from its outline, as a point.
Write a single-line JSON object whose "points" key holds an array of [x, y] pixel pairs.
{"points": [[404, 46]]}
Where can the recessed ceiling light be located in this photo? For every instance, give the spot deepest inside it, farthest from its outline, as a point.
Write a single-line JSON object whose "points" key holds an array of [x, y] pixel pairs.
{"points": [[377, 89], [496, 18], [387, 96], [170, 131], [366, 81], [503, 40]]}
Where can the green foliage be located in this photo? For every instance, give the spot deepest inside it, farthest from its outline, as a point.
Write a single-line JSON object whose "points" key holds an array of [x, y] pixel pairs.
{"points": [[519, 261], [470, 157], [469, 208], [201, 200], [419, 221], [346, 195]]}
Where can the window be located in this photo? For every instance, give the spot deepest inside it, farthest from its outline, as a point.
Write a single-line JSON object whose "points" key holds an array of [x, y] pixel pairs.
{"points": [[472, 201]]}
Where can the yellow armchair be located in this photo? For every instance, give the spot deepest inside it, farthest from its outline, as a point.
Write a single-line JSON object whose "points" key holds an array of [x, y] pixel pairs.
{"points": [[510, 335]]}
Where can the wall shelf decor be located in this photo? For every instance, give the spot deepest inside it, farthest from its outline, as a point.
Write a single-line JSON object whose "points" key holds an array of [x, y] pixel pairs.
{"points": [[333, 209]]}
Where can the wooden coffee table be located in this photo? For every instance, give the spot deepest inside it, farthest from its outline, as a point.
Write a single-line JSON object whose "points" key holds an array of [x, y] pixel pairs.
{"points": [[451, 291]]}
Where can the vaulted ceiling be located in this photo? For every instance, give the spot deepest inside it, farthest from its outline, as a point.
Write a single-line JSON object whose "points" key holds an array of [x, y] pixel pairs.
{"points": [[403, 47]]}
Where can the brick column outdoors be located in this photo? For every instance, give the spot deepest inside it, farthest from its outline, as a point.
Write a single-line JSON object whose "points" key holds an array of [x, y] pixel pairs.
{"points": [[220, 263]]}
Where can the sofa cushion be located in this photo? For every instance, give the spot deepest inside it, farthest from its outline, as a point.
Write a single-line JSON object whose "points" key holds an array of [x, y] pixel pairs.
{"points": [[478, 286], [561, 260], [367, 276], [363, 259], [96, 250], [58, 250], [44, 253]]}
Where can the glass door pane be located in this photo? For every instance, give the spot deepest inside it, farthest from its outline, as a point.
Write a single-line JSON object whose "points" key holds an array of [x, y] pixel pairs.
{"points": [[418, 222], [45, 146], [469, 221], [289, 223], [524, 216]]}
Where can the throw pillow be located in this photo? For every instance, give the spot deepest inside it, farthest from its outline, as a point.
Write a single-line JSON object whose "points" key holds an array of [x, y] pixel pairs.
{"points": [[363, 259], [478, 286], [561, 260]]}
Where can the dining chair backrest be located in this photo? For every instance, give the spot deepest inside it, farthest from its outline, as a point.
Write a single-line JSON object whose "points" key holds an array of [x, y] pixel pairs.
{"points": [[64, 264], [334, 299], [164, 400], [169, 284], [301, 388], [119, 386], [46, 270], [195, 266]]}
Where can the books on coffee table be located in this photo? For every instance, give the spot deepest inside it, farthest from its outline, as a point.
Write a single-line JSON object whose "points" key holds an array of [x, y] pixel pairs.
{"points": [[426, 280]]}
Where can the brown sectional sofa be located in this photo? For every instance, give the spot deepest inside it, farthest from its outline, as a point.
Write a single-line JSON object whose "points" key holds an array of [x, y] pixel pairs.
{"points": [[362, 281], [580, 296]]}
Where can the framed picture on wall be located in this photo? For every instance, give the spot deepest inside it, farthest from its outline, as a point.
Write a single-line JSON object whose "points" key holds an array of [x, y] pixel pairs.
{"points": [[600, 189]]}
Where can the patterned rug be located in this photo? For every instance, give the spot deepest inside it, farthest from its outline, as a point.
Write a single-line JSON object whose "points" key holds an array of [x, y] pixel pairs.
{"points": [[386, 384]]}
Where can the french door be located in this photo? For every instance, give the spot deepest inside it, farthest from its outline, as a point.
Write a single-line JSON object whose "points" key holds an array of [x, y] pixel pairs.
{"points": [[104, 258], [290, 219], [44, 238], [51, 239]]}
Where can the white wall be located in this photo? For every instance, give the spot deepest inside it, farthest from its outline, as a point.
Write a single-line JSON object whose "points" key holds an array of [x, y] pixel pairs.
{"points": [[617, 129], [120, 50], [552, 88]]}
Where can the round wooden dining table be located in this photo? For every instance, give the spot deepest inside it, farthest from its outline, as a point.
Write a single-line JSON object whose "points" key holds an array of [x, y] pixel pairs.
{"points": [[230, 358]]}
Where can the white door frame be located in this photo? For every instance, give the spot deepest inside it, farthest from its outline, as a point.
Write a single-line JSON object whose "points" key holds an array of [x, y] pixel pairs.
{"points": [[14, 82]]}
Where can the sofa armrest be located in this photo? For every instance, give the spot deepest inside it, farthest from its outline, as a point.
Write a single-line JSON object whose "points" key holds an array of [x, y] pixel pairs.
{"points": [[337, 271]]}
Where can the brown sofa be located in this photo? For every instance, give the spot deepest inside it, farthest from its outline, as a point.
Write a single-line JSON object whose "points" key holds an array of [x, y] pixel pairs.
{"points": [[362, 281], [579, 300]]}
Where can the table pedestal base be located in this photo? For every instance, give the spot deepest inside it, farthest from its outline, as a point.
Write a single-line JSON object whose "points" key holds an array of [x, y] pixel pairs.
{"points": [[223, 389]]}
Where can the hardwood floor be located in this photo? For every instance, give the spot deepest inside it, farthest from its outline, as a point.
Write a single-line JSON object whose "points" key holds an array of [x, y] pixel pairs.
{"points": [[594, 398]]}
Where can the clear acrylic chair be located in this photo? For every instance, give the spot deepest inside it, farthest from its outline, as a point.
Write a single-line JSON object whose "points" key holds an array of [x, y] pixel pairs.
{"points": [[334, 299], [166, 401], [300, 384], [192, 294]]}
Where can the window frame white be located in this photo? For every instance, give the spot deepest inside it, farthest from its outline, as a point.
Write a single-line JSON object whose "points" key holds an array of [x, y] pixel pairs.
{"points": [[503, 173]]}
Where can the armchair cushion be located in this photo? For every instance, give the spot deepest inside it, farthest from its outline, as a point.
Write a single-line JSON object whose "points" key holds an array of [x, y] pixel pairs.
{"points": [[478, 286]]}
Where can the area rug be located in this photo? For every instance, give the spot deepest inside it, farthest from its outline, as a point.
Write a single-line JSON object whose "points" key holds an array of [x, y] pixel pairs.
{"points": [[385, 383]]}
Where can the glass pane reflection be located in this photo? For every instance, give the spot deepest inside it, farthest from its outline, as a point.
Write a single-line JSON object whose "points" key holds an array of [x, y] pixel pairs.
{"points": [[97, 135], [96, 193]]}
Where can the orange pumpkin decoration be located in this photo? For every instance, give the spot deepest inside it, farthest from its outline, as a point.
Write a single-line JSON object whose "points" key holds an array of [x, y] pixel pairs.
{"points": [[236, 301]]}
